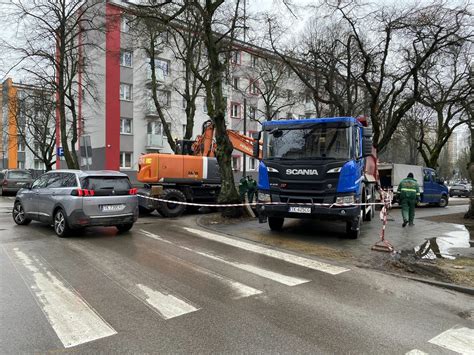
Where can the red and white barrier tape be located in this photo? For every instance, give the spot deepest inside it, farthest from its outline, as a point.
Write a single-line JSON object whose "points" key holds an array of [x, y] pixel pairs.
{"points": [[329, 205]]}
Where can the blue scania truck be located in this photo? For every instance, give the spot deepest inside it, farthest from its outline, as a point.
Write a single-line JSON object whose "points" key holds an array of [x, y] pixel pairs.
{"points": [[317, 168]]}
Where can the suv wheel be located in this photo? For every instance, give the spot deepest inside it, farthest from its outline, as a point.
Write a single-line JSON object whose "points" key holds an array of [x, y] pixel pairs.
{"points": [[61, 227], [19, 214], [122, 228]]}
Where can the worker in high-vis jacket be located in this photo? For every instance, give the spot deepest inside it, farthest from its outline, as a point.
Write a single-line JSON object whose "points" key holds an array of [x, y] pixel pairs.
{"points": [[409, 194]]}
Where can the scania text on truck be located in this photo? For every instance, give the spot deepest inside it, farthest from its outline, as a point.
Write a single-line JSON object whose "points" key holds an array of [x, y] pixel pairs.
{"points": [[309, 162]]}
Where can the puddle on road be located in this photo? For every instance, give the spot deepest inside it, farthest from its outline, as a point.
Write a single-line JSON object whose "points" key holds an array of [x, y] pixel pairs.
{"points": [[442, 247]]}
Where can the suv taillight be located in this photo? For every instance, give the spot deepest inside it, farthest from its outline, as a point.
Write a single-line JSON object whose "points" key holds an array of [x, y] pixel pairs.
{"points": [[132, 191], [82, 192]]}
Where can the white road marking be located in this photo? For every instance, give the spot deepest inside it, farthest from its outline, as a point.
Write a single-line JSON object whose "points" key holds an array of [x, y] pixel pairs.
{"points": [[290, 258], [274, 276], [168, 306], [457, 339], [416, 352], [240, 289], [74, 321], [283, 279]]}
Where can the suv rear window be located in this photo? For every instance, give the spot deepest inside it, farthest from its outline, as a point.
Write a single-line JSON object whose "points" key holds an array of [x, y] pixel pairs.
{"points": [[107, 185], [19, 175]]}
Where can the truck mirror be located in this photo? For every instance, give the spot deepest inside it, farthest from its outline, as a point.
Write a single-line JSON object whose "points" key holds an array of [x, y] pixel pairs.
{"points": [[256, 144], [367, 142]]}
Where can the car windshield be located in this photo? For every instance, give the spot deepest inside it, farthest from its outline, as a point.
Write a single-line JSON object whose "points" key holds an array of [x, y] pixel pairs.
{"points": [[19, 175], [318, 142]]}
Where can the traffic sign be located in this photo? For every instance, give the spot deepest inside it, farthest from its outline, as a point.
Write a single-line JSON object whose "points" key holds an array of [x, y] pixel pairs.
{"points": [[60, 151]]}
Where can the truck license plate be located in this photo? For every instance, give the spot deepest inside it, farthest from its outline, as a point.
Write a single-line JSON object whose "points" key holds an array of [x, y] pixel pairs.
{"points": [[300, 209], [112, 208]]}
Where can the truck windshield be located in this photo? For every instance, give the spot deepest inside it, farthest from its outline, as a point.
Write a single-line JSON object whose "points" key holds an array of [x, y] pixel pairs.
{"points": [[319, 142]]}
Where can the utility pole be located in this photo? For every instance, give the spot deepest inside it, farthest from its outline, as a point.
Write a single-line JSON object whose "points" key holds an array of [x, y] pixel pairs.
{"points": [[244, 167]]}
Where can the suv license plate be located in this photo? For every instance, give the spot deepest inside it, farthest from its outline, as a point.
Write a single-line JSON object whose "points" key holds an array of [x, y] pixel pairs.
{"points": [[300, 209], [112, 208]]}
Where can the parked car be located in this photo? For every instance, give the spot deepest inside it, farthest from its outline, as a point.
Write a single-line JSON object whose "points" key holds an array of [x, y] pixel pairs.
{"points": [[12, 180], [459, 190], [74, 199]]}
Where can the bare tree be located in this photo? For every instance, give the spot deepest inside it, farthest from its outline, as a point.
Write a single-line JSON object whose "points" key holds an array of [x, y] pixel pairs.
{"points": [[268, 83], [55, 34], [36, 123], [444, 89], [188, 48], [373, 57], [153, 36], [218, 25], [218, 32]]}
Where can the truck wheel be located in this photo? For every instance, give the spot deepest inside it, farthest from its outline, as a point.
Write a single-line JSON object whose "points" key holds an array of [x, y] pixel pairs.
{"points": [[275, 223], [443, 202], [169, 209], [351, 233]]}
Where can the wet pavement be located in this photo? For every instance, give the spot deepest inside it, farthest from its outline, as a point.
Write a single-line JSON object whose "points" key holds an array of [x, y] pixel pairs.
{"points": [[325, 238]]}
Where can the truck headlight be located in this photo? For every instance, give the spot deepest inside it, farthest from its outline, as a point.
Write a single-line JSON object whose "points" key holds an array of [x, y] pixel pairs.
{"points": [[334, 170], [345, 200], [263, 197]]}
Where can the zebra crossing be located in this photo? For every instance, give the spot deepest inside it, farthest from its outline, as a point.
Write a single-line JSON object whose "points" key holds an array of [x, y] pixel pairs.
{"points": [[75, 321]]}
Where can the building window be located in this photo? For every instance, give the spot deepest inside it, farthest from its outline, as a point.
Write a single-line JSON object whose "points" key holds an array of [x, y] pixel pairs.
{"points": [[289, 116], [124, 24], [162, 69], [235, 57], [235, 83], [39, 165], [254, 87], [21, 144], [184, 130], [252, 112], [126, 59], [204, 104], [289, 94], [252, 164], [235, 110], [154, 127], [125, 160], [254, 61], [185, 104], [236, 163], [126, 126], [164, 97], [126, 92]]}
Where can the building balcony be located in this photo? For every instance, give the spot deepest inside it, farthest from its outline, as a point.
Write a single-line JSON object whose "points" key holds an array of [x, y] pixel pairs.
{"points": [[154, 141]]}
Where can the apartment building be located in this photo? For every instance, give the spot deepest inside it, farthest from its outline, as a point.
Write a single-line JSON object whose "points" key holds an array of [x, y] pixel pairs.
{"points": [[121, 119]]}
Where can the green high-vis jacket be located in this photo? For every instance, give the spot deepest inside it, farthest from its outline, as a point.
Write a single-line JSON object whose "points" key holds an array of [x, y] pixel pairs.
{"points": [[408, 189]]}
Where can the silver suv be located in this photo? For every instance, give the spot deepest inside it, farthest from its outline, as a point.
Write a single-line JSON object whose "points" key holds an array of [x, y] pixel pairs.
{"points": [[74, 199]]}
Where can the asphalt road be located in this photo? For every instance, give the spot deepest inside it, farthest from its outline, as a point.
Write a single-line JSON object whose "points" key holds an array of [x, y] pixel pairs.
{"points": [[169, 286]]}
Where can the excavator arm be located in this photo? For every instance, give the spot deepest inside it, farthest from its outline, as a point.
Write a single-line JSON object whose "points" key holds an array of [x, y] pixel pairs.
{"points": [[205, 145]]}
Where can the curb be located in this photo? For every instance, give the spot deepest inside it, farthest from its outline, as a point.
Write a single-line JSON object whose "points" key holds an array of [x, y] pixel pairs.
{"points": [[464, 289]]}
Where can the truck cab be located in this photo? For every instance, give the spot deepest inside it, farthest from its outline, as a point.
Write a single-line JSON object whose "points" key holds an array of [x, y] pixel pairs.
{"points": [[316, 168], [434, 189]]}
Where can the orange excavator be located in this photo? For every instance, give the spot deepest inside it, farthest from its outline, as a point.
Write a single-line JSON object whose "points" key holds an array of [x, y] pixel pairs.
{"points": [[190, 176]]}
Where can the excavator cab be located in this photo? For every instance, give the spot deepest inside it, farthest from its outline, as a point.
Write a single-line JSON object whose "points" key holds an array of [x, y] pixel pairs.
{"points": [[184, 147]]}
